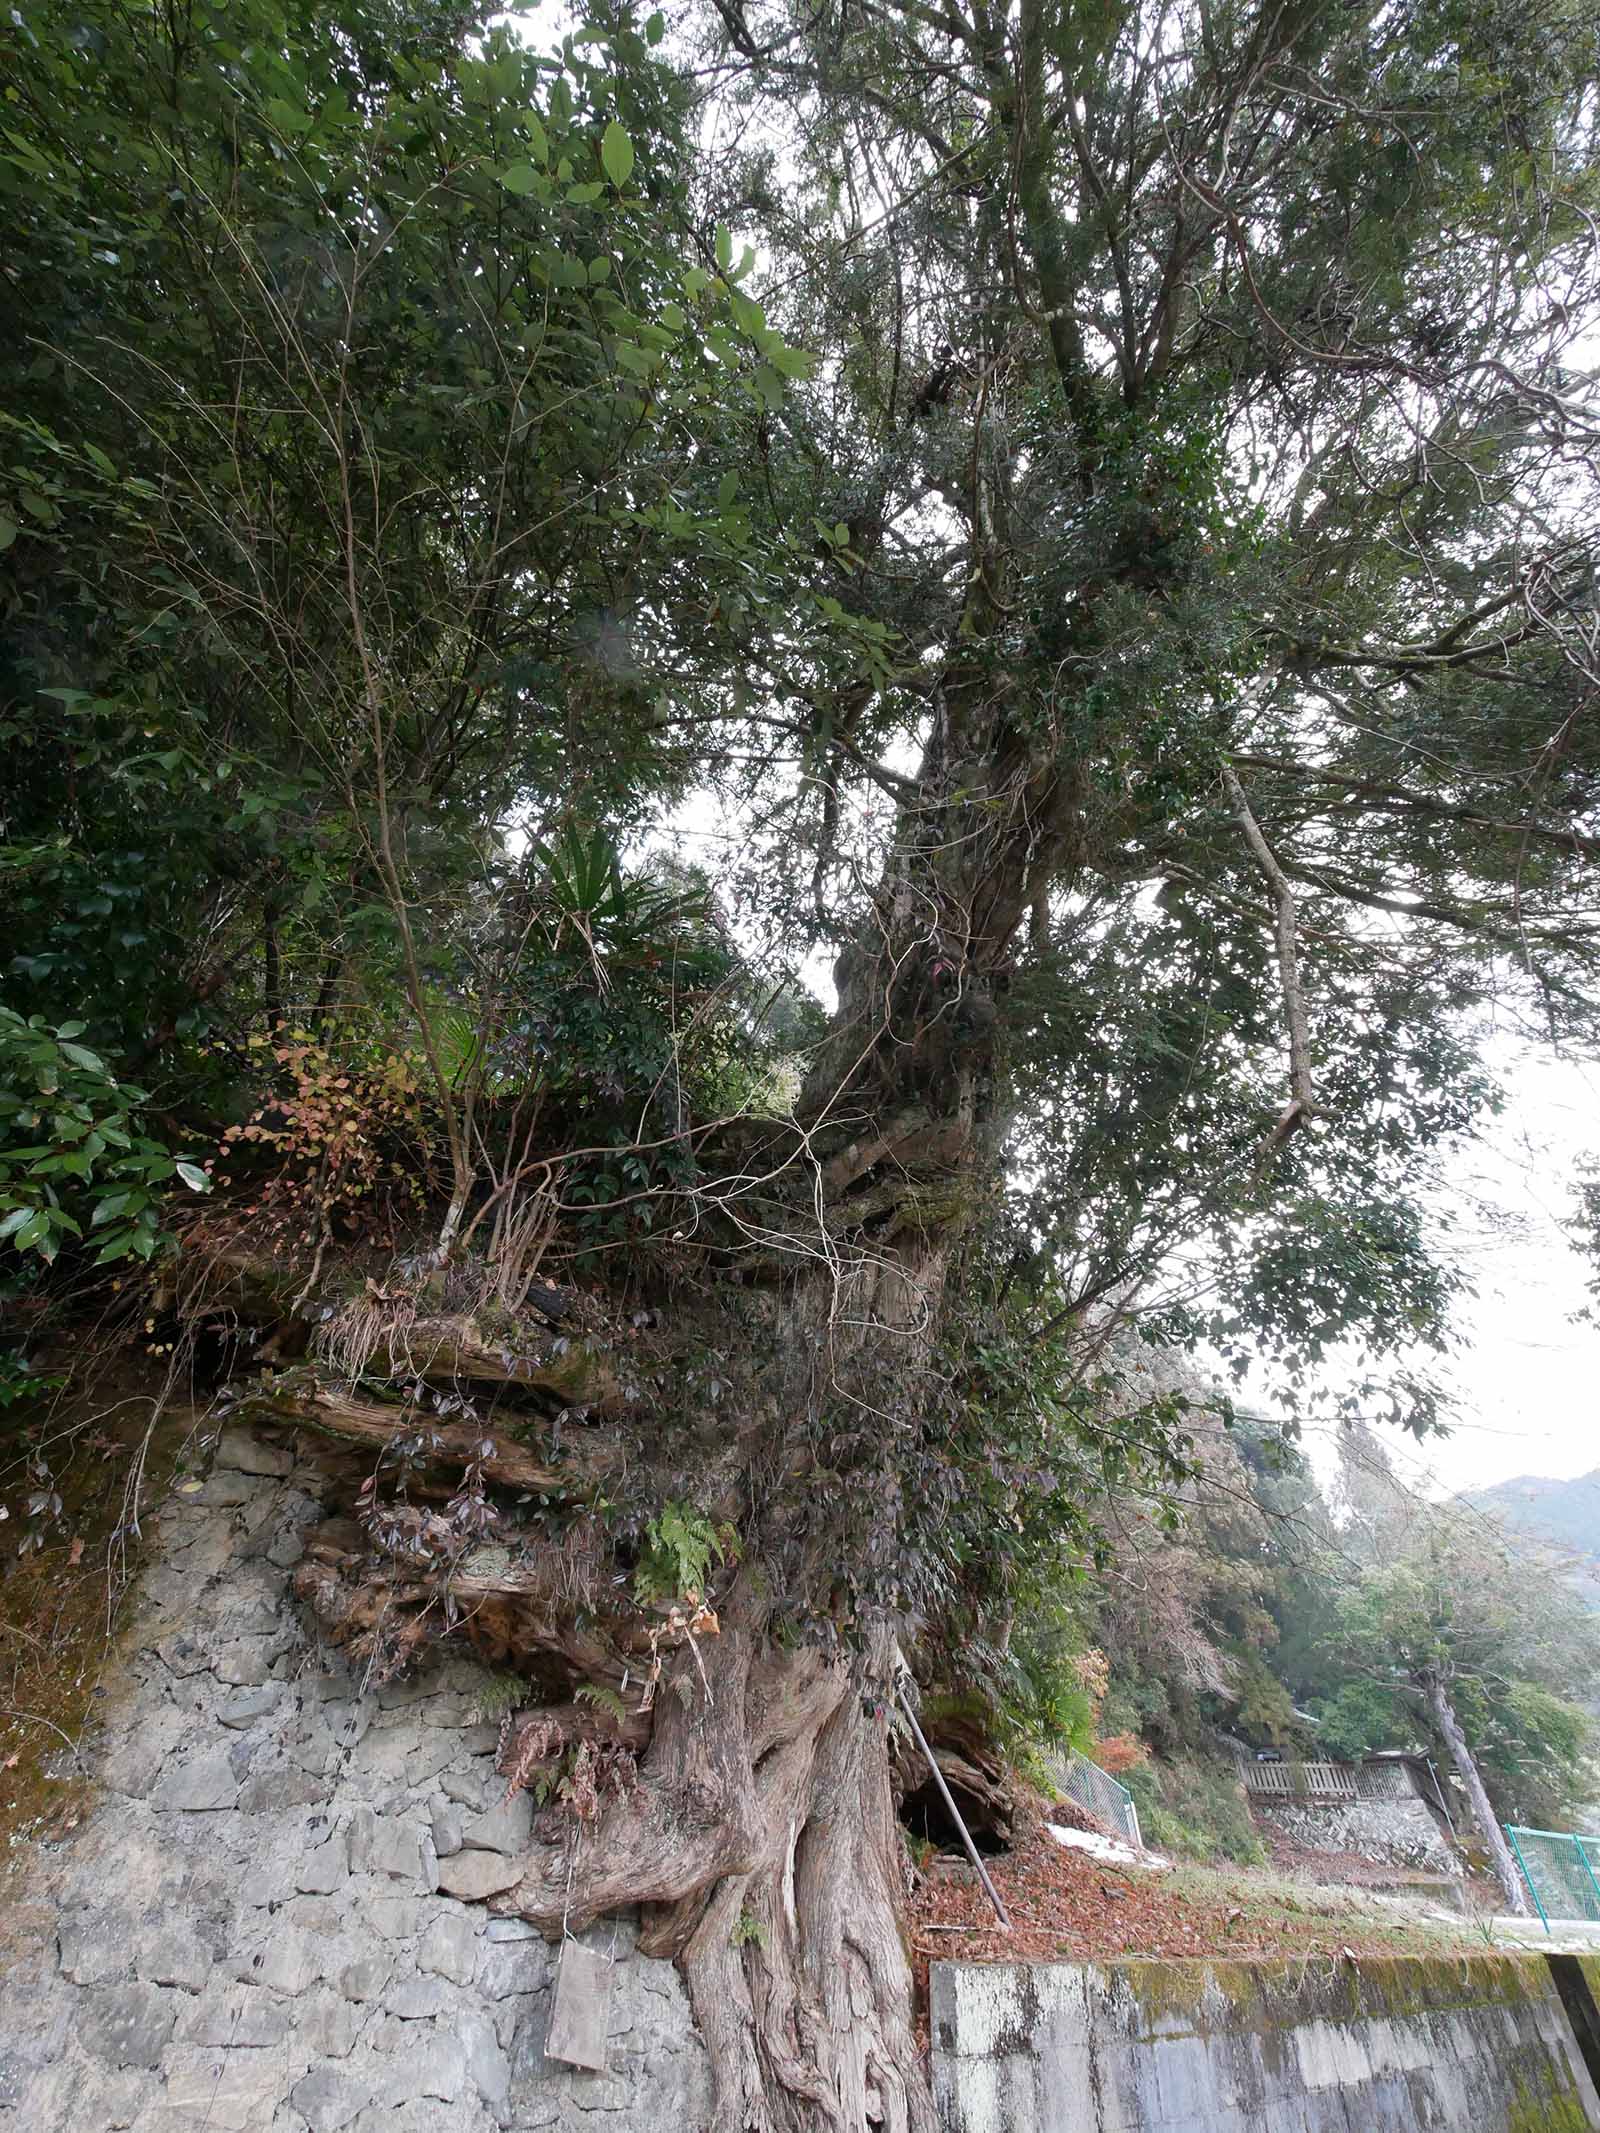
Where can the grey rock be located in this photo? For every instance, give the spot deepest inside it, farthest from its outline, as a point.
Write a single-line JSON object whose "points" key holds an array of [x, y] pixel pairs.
{"points": [[475, 1875], [132, 1766], [327, 2101], [243, 1452], [397, 1917], [396, 1850], [184, 1655], [285, 1548], [435, 2066], [175, 1958], [237, 2018], [449, 1948], [325, 1869], [513, 1968], [347, 1723], [446, 1829], [505, 1827], [417, 1999], [433, 1755], [205, 1786], [231, 2090], [399, 1695], [242, 1755], [511, 1929], [247, 1662], [126, 2025], [94, 1946], [366, 1978], [326, 2027], [245, 1706], [363, 1827], [451, 1711], [286, 1962], [315, 1914], [280, 1785], [488, 2066], [472, 1788], [222, 1491]]}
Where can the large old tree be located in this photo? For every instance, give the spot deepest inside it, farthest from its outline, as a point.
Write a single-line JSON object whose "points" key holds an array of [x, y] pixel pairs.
{"points": [[1083, 518]]}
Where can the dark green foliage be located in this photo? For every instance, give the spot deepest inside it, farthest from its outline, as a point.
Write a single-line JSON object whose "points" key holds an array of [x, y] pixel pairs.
{"points": [[77, 1169], [1196, 1808]]}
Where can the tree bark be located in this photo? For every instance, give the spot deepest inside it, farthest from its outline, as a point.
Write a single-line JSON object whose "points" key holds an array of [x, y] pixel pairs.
{"points": [[1505, 1866]]}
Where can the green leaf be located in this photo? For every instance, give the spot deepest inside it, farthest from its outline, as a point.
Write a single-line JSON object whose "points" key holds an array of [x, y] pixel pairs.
{"points": [[538, 140], [655, 28], [599, 268], [194, 1177], [616, 154], [639, 360], [724, 246], [519, 178], [8, 533], [748, 315], [81, 1056]]}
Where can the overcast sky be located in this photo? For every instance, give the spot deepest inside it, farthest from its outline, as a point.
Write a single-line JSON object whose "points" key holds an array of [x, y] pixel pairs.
{"points": [[1527, 1377]]}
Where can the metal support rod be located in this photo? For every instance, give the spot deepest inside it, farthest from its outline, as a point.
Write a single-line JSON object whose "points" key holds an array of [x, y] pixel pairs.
{"points": [[952, 1809], [1527, 1877]]}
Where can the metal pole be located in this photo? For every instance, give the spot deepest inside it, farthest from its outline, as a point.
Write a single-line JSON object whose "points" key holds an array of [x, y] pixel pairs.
{"points": [[1589, 1870], [1527, 1877], [953, 1810]]}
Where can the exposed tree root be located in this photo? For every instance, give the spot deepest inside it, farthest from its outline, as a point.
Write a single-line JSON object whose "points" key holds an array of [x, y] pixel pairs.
{"points": [[299, 1397], [762, 1836]]}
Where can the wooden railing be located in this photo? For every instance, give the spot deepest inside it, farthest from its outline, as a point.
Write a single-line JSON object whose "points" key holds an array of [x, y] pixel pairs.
{"points": [[1300, 1781]]}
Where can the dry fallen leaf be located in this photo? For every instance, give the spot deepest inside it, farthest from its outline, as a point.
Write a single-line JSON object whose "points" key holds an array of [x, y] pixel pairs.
{"points": [[75, 1552]]}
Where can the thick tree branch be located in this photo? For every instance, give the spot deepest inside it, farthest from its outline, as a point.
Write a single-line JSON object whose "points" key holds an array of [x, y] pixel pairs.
{"points": [[1302, 1104]]}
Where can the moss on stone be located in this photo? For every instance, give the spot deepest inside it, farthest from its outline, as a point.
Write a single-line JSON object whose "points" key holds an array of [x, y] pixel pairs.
{"points": [[1555, 2112]]}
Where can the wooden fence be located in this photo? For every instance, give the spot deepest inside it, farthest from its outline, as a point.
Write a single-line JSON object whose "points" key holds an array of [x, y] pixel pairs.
{"points": [[1300, 1781]]}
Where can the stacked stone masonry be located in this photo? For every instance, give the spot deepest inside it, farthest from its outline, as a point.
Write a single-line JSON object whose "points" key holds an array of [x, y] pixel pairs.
{"points": [[1394, 1832], [272, 1919]]}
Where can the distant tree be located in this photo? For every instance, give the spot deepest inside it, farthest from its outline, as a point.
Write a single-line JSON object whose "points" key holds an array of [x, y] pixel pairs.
{"points": [[1452, 1630]]}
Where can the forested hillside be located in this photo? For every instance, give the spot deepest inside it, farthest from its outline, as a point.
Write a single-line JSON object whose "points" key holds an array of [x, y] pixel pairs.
{"points": [[1563, 1514], [1275, 1617], [738, 740]]}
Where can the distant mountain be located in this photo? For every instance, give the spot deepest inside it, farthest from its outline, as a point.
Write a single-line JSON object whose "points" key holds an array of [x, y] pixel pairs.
{"points": [[1562, 1514]]}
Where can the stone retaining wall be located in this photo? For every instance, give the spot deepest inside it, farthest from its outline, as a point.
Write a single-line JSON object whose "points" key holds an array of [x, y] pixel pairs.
{"points": [[267, 1922], [1397, 1832], [1409, 2045]]}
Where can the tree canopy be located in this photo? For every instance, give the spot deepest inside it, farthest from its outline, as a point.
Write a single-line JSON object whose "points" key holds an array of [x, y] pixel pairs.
{"points": [[1095, 504]]}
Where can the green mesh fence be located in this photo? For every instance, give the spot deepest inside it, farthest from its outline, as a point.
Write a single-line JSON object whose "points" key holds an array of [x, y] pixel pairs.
{"points": [[1560, 1869], [1099, 1791]]}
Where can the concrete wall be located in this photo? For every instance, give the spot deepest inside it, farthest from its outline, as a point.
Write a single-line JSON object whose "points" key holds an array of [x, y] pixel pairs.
{"points": [[1405, 2046], [266, 1923]]}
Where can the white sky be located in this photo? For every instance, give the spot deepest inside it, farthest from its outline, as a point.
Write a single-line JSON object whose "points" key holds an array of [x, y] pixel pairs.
{"points": [[1528, 1377]]}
